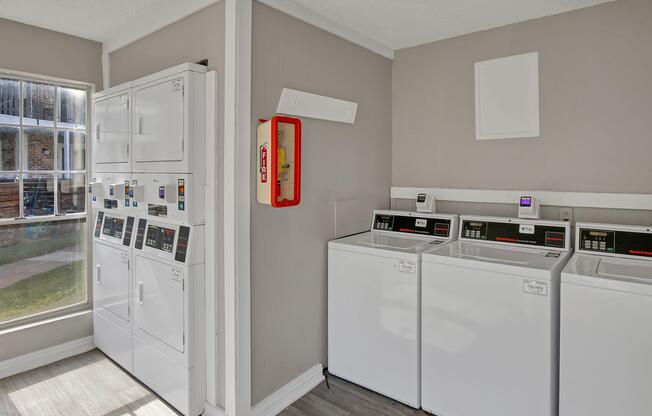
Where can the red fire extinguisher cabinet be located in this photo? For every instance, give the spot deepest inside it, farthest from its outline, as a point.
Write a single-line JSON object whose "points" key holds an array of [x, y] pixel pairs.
{"points": [[279, 161]]}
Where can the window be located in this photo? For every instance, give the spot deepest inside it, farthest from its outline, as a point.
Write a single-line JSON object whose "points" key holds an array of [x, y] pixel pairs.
{"points": [[43, 250]]}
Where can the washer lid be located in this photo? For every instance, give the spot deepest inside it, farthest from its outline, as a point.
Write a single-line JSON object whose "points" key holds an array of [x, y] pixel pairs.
{"points": [[629, 275], [388, 241], [628, 270], [385, 244], [500, 258]]}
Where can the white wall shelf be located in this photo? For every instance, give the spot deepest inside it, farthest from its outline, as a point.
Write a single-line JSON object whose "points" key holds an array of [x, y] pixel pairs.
{"points": [[551, 198]]}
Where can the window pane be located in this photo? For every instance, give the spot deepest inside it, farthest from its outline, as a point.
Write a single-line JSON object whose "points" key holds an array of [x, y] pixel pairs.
{"points": [[72, 108], [71, 150], [38, 195], [9, 101], [72, 193], [9, 148], [9, 196], [39, 148], [42, 267], [38, 104]]}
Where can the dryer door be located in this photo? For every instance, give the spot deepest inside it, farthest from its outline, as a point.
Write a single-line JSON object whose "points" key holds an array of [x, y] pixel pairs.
{"points": [[159, 306], [159, 121], [111, 279], [111, 147]]}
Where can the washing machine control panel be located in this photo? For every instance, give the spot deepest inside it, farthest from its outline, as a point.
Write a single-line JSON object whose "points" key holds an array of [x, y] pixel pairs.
{"points": [[118, 229], [516, 232], [168, 241], [636, 241], [413, 224], [160, 238]]}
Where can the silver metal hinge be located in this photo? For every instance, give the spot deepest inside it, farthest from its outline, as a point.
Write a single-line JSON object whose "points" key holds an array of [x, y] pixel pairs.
{"points": [[128, 264], [183, 285], [183, 339]]}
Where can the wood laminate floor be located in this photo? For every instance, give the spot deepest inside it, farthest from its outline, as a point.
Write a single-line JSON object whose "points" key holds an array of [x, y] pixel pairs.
{"points": [[86, 385], [347, 399], [92, 385]]}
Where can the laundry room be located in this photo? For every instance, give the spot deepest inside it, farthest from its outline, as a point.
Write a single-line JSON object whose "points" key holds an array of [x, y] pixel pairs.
{"points": [[309, 208]]}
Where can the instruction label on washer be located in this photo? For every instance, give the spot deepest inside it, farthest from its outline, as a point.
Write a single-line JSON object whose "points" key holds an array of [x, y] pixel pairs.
{"points": [[406, 267], [526, 229], [533, 287]]}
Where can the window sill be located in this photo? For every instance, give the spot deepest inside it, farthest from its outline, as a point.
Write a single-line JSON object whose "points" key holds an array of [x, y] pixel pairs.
{"points": [[47, 321], [44, 218]]}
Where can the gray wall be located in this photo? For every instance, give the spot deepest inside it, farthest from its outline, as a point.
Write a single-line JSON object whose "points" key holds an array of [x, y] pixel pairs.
{"points": [[196, 37], [44, 52], [595, 95], [340, 162]]}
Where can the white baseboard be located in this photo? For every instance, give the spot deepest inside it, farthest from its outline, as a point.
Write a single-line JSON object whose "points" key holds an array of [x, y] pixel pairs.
{"points": [[275, 403], [44, 357], [210, 410]]}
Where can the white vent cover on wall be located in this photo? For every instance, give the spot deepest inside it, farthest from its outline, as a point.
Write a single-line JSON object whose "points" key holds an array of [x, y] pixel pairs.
{"points": [[305, 104], [507, 97]]}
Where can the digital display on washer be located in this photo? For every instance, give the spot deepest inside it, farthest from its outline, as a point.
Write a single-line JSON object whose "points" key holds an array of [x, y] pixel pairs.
{"points": [[113, 227], [616, 242], [160, 238], [438, 227], [515, 233]]}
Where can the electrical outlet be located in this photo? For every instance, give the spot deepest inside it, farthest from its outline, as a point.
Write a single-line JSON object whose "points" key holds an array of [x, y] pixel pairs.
{"points": [[566, 214]]}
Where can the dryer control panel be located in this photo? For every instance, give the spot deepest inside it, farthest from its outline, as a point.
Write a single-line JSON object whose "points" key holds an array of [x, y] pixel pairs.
{"points": [[443, 226], [615, 240], [548, 234]]}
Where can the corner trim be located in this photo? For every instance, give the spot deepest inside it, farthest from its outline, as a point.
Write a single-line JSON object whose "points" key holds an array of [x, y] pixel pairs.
{"points": [[306, 15], [44, 357], [210, 410], [291, 392]]}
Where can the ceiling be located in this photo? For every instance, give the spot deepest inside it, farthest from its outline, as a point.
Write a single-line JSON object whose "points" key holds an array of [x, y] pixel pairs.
{"points": [[404, 23], [112, 22], [389, 24]]}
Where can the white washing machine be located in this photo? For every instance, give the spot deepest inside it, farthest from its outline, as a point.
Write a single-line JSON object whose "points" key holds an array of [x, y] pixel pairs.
{"points": [[374, 293], [490, 318], [169, 314], [606, 323], [112, 259]]}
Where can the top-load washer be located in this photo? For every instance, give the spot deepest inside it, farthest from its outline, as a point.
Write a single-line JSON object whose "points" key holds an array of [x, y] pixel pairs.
{"points": [[490, 318], [606, 323], [374, 293]]}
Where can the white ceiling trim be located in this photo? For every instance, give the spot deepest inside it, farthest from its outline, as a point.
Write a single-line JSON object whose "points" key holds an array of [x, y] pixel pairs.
{"points": [[157, 20], [324, 23]]}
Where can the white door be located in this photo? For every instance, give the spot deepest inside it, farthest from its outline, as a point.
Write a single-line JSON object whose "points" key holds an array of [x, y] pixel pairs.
{"points": [[373, 323], [111, 117], [159, 121], [159, 306], [111, 279]]}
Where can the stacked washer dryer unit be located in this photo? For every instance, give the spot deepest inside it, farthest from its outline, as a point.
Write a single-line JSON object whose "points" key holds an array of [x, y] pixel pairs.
{"points": [[374, 296], [158, 123], [114, 227], [490, 318], [606, 323]]}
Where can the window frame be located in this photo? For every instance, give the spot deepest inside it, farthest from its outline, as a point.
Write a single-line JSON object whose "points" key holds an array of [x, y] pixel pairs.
{"points": [[87, 215]]}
